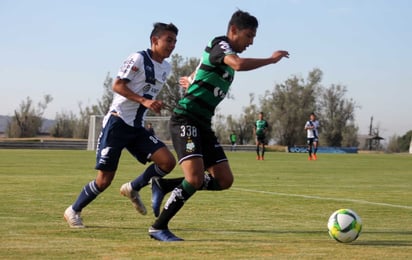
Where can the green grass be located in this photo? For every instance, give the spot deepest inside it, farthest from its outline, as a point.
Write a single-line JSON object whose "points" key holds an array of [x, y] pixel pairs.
{"points": [[277, 208]]}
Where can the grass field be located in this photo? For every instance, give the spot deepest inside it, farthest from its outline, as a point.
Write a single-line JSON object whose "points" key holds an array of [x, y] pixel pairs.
{"points": [[276, 209]]}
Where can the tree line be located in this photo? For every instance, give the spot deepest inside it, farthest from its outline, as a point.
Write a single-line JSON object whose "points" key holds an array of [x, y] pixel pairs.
{"points": [[286, 107]]}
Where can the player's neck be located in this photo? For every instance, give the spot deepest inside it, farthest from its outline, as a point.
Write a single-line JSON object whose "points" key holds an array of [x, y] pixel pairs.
{"points": [[156, 56]]}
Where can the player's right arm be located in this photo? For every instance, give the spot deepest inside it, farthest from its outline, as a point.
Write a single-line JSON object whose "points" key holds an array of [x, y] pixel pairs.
{"points": [[308, 126], [121, 88], [132, 68], [243, 64]]}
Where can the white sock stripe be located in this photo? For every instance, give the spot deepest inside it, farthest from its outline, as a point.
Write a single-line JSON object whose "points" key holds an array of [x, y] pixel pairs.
{"points": [[159, 171], [93, 188]]}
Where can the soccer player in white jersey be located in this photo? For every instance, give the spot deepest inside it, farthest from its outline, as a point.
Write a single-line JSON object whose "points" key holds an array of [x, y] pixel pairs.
{"points": [[138, 81], [311, 128]]}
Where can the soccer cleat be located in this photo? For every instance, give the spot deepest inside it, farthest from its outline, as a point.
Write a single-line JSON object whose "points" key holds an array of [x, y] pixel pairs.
{"points": [[310, 158], [164, 235], [314, 157], [157, 195], [127, 191], [262, 158], [73, 218], [258, 157]]}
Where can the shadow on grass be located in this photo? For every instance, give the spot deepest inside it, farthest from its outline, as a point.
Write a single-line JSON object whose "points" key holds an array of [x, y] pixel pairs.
{"points": [[359, 242], [401, 243]]}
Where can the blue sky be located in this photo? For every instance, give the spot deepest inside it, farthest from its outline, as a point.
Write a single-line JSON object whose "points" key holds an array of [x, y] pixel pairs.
{"points": [[66, 48]]}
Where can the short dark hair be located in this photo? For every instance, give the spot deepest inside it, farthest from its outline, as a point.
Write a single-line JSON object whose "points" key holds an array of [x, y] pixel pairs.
{"points": [[243, 20], [159, 28]]}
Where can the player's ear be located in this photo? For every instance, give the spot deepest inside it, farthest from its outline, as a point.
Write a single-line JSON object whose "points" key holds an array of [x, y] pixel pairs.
{"points": [[154, 40], [233, 29]]}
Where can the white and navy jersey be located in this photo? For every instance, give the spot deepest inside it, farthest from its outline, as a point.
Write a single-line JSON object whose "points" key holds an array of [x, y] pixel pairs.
{"points": [[312, 133], [146, 78]]}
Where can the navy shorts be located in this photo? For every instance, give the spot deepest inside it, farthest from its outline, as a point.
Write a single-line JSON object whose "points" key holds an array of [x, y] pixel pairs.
{"points": [[116, 135], [310, 141], [190, 140], [261, 139]]}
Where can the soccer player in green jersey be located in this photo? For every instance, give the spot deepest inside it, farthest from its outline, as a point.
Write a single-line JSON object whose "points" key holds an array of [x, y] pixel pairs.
{"points": [[259, 130], [233, 138], [195, 143]]}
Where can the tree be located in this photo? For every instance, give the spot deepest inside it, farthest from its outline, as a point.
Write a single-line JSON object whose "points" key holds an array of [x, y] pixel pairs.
{"points": [[350, 135], [404, 141], [338, 114], [103, 105], [172, 92], [242, 126], [288, 106], [65, 125], [27, 121], [393, 144]]}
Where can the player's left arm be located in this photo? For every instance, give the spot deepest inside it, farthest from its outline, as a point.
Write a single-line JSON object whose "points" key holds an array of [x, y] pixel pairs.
{"points": [[244, 64], [265, 130]]}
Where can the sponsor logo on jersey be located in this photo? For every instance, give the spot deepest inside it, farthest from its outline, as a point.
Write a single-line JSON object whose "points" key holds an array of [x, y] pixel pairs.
{"points": [[150, 89], [219, 93], [147, 88], [227, 76], [127, 64], [149, 69]]}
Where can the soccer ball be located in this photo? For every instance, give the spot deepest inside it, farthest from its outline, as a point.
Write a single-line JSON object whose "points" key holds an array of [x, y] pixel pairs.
{"points": [[344, 225]]}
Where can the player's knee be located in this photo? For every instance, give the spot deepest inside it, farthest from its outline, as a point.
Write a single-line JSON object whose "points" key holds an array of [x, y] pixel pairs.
{"points": [[226, 182], [168, 165], [196, 181], [103, 184], [104, 179], [165, 160]]}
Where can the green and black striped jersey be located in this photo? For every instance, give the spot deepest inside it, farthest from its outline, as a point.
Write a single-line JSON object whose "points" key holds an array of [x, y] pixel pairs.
{"points": [[211, 83]]}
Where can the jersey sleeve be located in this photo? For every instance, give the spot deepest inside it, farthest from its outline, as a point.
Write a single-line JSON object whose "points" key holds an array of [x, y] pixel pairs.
{"points": [[131, 67], [219, 51]]}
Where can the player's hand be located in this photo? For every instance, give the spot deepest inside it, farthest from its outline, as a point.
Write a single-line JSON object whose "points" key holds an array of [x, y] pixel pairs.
{"points": [[278, 55], [184, 82], [155, 105]]}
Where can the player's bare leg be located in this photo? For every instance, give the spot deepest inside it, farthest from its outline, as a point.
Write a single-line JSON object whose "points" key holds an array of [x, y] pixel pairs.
{"points": [[164, 162], [222, 174], [315, 149], [89, 192]]}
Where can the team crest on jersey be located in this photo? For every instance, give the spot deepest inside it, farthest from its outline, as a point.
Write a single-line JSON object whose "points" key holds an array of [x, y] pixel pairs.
{"points": [[190, 146], [135, 69]]}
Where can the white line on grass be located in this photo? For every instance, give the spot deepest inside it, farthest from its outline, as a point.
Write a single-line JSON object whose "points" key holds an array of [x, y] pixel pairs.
{"points": [[324, 198]]}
